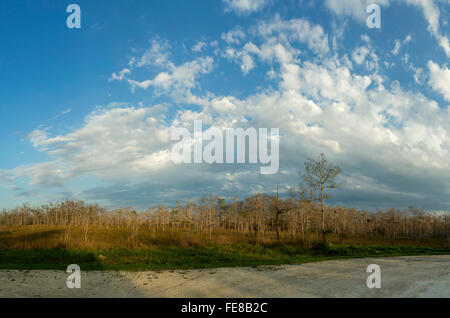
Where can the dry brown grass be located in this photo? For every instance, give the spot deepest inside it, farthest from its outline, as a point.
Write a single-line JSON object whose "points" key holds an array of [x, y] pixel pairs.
{"points": [[99, 238]]}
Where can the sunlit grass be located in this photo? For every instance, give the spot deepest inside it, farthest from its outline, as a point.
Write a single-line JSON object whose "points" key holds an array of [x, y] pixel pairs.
{"points": [[44, 247]]}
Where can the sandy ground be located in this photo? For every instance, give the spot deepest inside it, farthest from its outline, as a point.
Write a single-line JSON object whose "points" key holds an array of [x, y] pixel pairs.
{"points": [[416, 276]]}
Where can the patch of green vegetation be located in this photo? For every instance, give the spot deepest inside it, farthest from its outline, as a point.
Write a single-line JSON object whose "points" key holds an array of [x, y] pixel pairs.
{"points": [[171, 258]]}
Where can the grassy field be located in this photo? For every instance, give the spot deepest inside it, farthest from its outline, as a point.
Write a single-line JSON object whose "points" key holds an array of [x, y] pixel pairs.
{"points": [[172, 257], [39, 247]]}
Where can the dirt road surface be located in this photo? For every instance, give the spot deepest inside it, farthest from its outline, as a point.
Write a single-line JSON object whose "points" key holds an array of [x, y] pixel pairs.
{"points": [[413, 276]]}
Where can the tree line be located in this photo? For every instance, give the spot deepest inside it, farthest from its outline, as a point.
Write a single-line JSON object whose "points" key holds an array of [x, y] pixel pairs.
{"points": [[258, 215], [301, 213]]}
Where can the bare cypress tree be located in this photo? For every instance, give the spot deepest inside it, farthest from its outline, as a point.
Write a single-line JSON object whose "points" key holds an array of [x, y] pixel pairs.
{"points": [[319, 176], [278, 209]]}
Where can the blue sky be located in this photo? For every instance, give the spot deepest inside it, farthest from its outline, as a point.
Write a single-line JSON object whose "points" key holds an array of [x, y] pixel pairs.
{"points": [[86, 113]]}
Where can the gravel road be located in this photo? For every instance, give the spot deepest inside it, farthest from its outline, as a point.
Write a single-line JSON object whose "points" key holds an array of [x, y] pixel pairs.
{"points": [[411, 276]]}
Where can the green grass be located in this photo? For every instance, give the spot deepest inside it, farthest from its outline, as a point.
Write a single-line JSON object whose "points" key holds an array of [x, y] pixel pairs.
{"points": [[163, 258]]}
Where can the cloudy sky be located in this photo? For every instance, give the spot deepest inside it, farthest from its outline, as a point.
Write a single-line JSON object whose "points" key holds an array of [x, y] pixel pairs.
{"points": [[87, 114]]}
